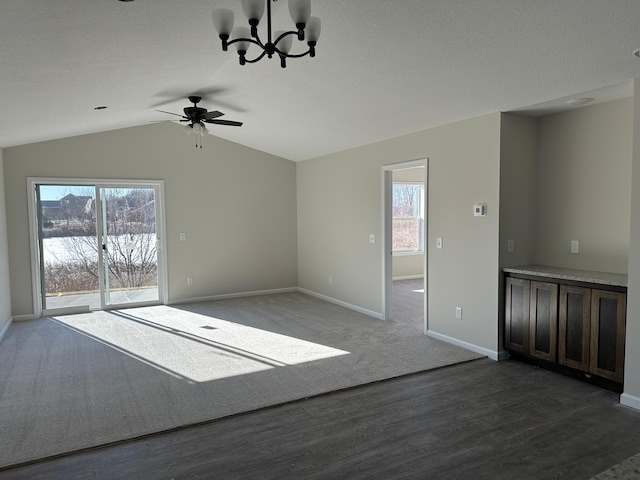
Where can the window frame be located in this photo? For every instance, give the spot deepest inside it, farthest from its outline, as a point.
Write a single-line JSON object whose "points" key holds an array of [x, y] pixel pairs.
{"points": [[421, 218]]}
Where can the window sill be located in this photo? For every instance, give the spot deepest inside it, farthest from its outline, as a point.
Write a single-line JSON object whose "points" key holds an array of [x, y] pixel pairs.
{"points": [[407, 254]]}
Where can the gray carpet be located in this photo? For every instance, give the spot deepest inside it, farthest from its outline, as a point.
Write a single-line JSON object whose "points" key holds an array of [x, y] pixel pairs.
{"points": [[77, 381], [629, 469]]}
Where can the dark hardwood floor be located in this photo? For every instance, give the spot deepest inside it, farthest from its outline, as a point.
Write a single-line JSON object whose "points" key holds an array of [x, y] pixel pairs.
{"points": [[478, 420]]}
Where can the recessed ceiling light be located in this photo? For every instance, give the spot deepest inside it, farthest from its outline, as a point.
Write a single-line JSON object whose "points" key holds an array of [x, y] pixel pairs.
{"points": [[126, 0], [579, 101], [100, 107]]}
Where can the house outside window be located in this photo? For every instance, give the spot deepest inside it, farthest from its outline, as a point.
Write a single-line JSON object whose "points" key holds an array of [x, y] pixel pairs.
{"points": [[408, 218]]}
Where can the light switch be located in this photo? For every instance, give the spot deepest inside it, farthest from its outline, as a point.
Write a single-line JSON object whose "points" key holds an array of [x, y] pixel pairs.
{"points": [[575, 246], [510, 246], [183, 237], [439, 242]]}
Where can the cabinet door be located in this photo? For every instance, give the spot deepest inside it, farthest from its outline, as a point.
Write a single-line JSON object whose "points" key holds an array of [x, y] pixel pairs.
{"points": [[517, 315], [574, 327], [608, 324], [543, 320]]}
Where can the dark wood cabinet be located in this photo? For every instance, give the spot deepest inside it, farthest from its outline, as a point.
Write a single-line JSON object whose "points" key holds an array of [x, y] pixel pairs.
{"points": [[572, 324], [543, 320], [574, 327], [531, 317], [517, 315], [608, 330]]}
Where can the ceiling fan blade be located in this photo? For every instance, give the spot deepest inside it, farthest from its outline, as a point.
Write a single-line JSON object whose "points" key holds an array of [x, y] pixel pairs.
{"points": [[171, 113], [214, 114], [229, 123]]}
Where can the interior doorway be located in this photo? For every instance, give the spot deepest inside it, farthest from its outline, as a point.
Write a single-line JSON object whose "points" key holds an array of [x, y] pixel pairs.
{"points": [[405, 209], [97, 245]]}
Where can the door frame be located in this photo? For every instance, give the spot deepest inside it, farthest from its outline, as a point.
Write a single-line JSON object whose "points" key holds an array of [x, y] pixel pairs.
{"points": [[36, 276], [387, 236]]}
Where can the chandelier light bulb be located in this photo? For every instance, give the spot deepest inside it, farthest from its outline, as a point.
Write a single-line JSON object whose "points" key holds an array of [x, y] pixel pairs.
{"points": [[284, 45], [253, 9], [223, 20], [300, 11], [242, 35], [313, 29]]}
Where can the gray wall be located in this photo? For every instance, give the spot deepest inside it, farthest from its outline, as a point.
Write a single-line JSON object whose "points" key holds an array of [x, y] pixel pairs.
{"points": [[5, 291], [518, 167], [584, 187], [631, 394], [236, 205], [339, 205], [518, 163]]}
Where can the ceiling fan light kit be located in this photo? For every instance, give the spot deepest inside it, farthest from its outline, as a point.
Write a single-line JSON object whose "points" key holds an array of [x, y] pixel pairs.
{"points": [[277, 43]]}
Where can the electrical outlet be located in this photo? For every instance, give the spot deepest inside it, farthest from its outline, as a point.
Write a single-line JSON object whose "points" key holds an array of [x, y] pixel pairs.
{"points": [[183, 237], [510, 246]]}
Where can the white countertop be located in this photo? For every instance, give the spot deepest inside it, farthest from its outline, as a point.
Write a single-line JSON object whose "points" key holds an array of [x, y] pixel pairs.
{"points": [[558, 273]]}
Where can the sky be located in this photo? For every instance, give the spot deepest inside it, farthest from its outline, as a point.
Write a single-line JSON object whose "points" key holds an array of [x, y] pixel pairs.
{"points": [[56, 192]]}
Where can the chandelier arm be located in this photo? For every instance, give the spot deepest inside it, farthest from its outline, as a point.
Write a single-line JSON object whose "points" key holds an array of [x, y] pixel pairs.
{"points": [[250, 40], [290, 55], [284, 34], [293, 55], [258, 58]]}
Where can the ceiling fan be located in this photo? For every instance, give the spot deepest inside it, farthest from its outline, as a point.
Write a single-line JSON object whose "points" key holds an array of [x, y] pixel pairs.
{"points": [[196, 117]]}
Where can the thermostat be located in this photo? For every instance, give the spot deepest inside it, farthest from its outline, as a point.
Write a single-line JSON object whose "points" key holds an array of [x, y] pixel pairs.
{"points": [[480, 210]]}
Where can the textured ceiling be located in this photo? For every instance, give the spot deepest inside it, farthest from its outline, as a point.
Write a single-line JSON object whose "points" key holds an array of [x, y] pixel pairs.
{"points": [[383, 67]]}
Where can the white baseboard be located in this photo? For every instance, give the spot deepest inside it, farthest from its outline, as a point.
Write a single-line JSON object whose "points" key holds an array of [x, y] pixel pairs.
{"points": [[5, 329], [492, 354], [232, 295], [630, 401], [22, 318], [364, 311]]}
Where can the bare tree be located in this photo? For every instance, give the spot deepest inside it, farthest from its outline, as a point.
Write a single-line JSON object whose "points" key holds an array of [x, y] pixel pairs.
{"points": [[129, 244]]}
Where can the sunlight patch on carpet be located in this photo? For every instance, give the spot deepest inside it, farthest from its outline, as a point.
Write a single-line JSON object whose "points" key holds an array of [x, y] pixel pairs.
{"points": [[195, 347]]}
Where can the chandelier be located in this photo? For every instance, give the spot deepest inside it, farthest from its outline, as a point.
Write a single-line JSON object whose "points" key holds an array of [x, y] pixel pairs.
{"points": [[276, 43]]}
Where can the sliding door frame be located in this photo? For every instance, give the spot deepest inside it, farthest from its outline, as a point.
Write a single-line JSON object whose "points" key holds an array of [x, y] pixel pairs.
{"points": [[34, 242]]}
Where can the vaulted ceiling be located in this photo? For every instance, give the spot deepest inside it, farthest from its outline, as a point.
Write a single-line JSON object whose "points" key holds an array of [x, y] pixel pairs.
{"points": [[383, 67]]}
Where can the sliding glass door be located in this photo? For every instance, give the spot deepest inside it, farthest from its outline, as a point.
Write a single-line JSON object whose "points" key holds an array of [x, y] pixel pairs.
{"points": [[97, 245], [128, 244]]}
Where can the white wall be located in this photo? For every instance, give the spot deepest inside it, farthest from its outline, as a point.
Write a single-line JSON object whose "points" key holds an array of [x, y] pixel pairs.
{"points": [[339, 205], [5, 291], [236, 205], [631, 395], [584, 187]]}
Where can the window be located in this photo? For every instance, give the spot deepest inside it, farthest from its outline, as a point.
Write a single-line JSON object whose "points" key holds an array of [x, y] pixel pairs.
{"points": [[408, 217]]}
